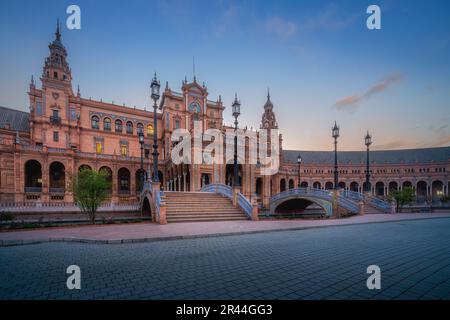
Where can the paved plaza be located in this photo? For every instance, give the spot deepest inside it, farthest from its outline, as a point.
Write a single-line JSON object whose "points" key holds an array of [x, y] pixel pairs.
{"points": [[146, 232], [319, 263]]}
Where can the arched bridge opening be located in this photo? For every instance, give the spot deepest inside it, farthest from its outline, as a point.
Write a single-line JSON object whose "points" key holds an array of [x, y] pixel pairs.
{"points": [[299, 207]]}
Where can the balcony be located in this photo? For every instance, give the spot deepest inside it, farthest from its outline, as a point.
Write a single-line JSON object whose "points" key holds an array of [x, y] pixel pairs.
{"points": [[55, 120], [33, 189], [57, 190]]}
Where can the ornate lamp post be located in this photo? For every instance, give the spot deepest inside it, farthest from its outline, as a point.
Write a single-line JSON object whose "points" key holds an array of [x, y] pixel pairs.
{"points": [[236, 108], [335, 134], [155, 96], [141, 176], [299, 162], [368, 142]]}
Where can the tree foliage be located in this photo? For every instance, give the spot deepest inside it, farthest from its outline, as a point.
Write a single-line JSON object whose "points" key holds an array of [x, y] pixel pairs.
{"points": [[90, 188], [402, 197]]}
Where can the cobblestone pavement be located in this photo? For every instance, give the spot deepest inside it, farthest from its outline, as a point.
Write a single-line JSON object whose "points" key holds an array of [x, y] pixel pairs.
{"points": [[325, 263]]}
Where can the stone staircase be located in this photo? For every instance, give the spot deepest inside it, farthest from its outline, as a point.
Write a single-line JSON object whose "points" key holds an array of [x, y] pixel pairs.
{"points": [[200, 206], [368, 209]]}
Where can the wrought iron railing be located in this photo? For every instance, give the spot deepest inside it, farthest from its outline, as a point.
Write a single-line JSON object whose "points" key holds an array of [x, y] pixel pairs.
{"points": [[55, 120]]}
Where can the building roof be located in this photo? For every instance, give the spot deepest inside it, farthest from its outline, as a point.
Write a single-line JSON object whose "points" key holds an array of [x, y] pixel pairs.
{"points": [[14, 119], [406, 156]]}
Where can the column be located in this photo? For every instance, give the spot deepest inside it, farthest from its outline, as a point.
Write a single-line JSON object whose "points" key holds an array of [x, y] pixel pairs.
{"points": [[114, 177]]}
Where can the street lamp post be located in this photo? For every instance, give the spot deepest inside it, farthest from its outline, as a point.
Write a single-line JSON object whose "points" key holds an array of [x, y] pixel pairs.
{"points": [[155, 96], [299, 162], [141, 176], [335, 134], [236, 108], [368, 142]]}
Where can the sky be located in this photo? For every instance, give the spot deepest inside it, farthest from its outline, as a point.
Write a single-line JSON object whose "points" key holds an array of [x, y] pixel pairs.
{"points": [[319, 59]]}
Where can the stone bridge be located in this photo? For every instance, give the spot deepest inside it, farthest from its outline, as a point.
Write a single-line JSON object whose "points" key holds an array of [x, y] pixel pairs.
{"points": [[348, 202], [152, 202]]}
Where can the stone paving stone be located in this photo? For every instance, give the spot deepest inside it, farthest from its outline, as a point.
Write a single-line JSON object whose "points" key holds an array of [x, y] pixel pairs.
{"points": [[324, 263]]}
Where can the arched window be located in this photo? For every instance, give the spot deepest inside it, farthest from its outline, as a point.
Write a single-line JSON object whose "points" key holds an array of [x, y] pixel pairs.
{"points": [[95, 122], [149, 130], [119, 125], [130, 127], [107, 124], [140, 128]]}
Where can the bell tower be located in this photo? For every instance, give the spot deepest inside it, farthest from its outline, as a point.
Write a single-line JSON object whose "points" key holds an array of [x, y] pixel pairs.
{"points": [[268, 119], [56, 71]]}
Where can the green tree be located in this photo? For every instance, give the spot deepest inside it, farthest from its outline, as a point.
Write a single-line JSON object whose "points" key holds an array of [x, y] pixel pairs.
{"points": [[402, 197], [90, 188]]}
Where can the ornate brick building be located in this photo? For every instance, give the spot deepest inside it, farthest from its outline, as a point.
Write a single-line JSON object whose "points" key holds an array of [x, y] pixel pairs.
{"points": [[63, 132]]}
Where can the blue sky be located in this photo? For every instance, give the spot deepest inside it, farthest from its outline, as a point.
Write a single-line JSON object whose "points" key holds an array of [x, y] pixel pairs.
{"points": [[318, 58]]}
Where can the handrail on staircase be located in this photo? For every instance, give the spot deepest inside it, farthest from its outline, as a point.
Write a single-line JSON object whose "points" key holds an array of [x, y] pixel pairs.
{"points": [[220, 188], [241, 201]]}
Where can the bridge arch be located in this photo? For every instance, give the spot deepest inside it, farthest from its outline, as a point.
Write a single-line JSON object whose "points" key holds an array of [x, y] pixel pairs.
{"points": [[146, 207], [297, 204]]}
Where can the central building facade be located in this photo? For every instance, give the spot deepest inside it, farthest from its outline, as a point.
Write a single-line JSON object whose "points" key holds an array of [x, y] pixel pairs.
{"points": [[63, 132]]}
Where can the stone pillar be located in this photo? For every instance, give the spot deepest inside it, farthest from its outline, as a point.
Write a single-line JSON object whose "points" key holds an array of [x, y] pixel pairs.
{"points": [[361, 208], [393, 207], [162, 208], [236, 190], [266, 191], [45, 176], [114, 177], [335, 204], [133, 182], [254, 210], [184, 182]]}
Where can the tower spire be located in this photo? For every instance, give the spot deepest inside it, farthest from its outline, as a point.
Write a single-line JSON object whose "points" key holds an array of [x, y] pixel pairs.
{"points": [[193, 68], [57, 33]]}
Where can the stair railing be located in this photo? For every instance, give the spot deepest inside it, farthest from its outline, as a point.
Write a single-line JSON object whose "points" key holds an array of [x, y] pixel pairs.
{"points": [[245, 205], [219, 188]]}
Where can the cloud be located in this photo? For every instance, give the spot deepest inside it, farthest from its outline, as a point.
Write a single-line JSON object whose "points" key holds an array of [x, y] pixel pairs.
{"points": [[348, 103], [351, 103], [331, 18], [282, 28], [441, 136], [227, 21], [394, 144]]}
